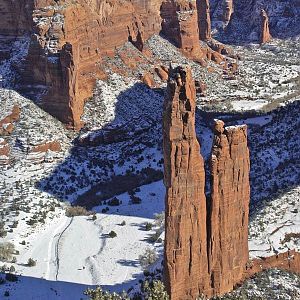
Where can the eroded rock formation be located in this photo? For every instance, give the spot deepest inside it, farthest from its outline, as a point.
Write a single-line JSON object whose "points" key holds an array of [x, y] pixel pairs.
{"points": [[206, 241], [204, 22], [185, 242], [6, 123], [265, 31], [227, 219], [180, 25], [206, 247]]}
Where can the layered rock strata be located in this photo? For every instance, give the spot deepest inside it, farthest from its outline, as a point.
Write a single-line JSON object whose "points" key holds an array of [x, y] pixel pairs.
{"points": [[185, 243], [265, 31]]}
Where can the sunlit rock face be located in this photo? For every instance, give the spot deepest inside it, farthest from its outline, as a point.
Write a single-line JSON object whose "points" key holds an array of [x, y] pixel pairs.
{"points": [[206, 246]]}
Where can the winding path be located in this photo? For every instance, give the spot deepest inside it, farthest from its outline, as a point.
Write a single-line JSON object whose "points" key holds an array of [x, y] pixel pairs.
{"points": [[57, 247]]}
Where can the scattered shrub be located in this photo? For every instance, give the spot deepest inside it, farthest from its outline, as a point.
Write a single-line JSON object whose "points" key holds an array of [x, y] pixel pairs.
{"points": [[114, 202], [148, 258], [31, 262], [99, 294], [11, 277], [72, 211], [6, 251], [148, 226], [112, 234], [155, 290]]}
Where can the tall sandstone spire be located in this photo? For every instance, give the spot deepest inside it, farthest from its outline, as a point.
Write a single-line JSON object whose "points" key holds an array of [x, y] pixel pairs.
{"points": [[265, 30], [185, 242], [228, 208], [206, 242]]}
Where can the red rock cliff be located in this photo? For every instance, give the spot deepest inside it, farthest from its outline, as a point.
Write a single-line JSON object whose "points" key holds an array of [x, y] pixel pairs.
{"points": [[180, 24], [204, 21], [185, 242], [229, 207], [92, 28]]}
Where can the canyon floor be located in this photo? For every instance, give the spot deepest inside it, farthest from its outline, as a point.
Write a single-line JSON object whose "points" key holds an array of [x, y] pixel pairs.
{"points": [[92, 168]]}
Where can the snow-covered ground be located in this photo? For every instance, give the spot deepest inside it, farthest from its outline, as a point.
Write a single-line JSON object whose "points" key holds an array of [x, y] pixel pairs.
{"points": [[79, 252], [119, 153]]}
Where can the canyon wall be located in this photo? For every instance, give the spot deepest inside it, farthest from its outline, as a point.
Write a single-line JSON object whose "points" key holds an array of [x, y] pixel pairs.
{"points": [[204, 22], [241, 21], [68, 41], [180, 26]]}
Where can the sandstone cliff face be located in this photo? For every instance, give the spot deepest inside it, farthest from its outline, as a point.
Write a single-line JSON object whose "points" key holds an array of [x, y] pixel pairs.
{"points": [[204, 22], [265, 31], [180, 25], [229, 207], [185, 242], [245, 24], [91, 29]]}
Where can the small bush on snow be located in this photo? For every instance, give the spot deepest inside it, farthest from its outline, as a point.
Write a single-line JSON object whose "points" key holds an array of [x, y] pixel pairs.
{"points": [[148, 258]]}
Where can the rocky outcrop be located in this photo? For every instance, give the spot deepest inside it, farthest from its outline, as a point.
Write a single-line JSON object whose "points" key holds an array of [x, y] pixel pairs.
{"points": [[227, 219], [185, 236], [69, 39], [4, 148], [204, 21], [180, 25], [206, 246], [265, 31], [228, 10], [6, 122], [44, 147], [4, 152]]}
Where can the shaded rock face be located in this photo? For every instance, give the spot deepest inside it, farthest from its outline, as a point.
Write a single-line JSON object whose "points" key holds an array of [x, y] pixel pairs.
{"points": [[229, 207], [206, 242], [204, 22], [245, 24], [185, 241], [180, 25], [265, 31], [91, 29]]}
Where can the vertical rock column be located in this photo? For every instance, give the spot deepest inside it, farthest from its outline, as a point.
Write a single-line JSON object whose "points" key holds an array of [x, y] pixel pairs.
{"points": [[228, 209], [185, 242], [265, 31], [204, 21]]}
